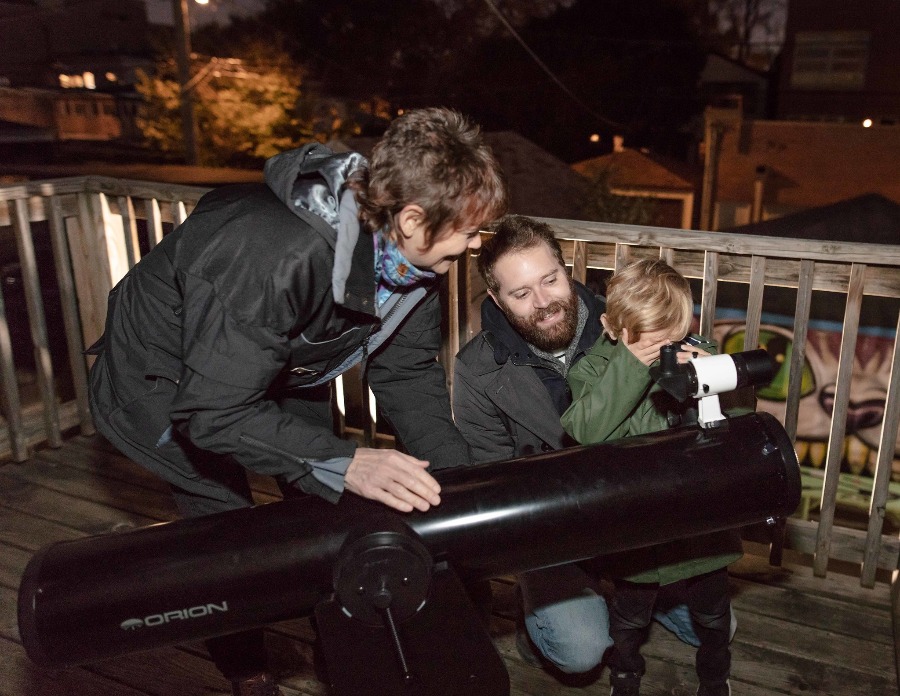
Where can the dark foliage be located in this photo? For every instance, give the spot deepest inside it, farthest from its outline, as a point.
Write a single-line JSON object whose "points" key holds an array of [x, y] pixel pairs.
{"points": [[625, 67]]}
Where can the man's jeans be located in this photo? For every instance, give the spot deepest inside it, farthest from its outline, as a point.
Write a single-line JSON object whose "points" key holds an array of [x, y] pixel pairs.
{"points": [[568, 621], [566, 618]]}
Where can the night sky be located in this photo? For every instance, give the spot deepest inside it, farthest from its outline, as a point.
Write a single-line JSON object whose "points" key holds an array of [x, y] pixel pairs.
{"points": [[160, 11]]}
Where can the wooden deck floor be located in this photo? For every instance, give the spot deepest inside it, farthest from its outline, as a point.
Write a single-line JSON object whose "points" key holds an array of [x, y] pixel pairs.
{"points": [[797, 634]]}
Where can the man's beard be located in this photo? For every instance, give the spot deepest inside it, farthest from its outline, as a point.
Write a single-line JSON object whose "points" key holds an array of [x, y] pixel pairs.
{"points": [[550, 339]]}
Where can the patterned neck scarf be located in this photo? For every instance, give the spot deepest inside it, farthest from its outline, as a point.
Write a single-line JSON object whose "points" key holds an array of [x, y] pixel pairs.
{"points": [[392, 270]]}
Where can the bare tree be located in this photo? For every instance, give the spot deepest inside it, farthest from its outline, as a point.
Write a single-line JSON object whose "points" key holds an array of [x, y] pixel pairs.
{"points": [[752, 29]]}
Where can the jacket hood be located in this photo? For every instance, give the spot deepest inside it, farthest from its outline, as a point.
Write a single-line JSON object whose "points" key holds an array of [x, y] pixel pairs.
{"points": [[312, 182], [312, 179], [506, 341]]}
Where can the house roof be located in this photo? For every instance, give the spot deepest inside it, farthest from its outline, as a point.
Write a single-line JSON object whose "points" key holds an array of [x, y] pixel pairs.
{"points": [[20, 133], [632, 169], [721, 68], [540, 184], [870, 218]]}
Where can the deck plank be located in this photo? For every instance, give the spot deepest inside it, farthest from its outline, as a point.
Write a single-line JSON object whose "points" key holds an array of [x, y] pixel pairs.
{"points": [[19, 677], [798, 635], [87, 516], [793, 575], [807, 613], [93, 485]]}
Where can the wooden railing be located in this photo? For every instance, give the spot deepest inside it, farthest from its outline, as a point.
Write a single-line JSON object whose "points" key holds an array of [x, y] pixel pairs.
{"points": [[99, 227], [91, 225]]}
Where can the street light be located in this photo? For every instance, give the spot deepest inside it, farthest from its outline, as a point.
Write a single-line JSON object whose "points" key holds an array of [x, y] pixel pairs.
{"points": [[183, 58]]}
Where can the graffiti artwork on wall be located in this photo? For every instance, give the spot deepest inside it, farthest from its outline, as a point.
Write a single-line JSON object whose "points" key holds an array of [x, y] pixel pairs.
{"points": [[868, 394]]}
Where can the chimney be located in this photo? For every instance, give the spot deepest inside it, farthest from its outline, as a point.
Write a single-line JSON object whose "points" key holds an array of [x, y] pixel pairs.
{"points": [[759, 193], [618, 143]]}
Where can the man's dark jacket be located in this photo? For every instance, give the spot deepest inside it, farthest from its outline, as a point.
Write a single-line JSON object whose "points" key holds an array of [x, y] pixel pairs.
{"points": [[221, 341], [506, 400]]}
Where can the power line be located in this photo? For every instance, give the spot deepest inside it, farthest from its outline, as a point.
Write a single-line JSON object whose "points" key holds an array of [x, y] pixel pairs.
{"points": [[543, 66]]}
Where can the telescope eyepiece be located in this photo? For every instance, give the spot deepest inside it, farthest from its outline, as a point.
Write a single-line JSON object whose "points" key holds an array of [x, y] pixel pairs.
{"points": [[668, 359]]}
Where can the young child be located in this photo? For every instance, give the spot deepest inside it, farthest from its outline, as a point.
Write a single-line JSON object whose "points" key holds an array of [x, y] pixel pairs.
{"points": [[649, 305]]}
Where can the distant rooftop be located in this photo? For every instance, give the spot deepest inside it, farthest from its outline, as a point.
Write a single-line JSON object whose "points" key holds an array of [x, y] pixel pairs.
{"points": [[632, 169], [19, 133]]}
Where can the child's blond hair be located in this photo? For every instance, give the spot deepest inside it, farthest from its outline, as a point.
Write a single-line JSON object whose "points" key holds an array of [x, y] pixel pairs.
{"points": [[648, 295]]}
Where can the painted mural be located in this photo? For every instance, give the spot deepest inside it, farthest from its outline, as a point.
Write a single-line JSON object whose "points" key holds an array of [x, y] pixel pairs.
{"points": [[868, 393]]}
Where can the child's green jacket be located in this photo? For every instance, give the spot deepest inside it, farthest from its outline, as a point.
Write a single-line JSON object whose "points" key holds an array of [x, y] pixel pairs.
{"points": [[614, 397]]}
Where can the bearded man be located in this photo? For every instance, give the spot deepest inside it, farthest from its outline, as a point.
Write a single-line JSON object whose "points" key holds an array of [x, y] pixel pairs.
{"points": [[509, 393]]}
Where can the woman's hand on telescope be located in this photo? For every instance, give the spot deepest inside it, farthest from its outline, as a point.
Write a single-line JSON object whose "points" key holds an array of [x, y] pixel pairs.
{"points": [[393, 478]]}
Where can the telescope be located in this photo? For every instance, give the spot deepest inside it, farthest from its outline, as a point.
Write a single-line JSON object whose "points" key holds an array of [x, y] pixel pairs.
{"points": [[387, 589], [704, 378]]}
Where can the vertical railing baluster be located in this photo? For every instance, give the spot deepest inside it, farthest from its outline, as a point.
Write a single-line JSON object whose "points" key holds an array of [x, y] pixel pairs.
{"points": [[62, 260], [129, 225], [179, 213], [12, 407], [754, 302], [798, 350], [839, 418], [90, 264], [37, 321], [667, 254], [154, 223], [709, 292], [579, 261], [623, 256], [886, 443]]}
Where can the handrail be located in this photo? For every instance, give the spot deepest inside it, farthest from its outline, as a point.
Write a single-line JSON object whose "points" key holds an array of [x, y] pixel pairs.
{"points": [[100, 226], [724, 242]]}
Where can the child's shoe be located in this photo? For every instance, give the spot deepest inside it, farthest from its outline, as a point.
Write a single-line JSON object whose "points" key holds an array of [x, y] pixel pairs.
{"points": [[625, 684], [717, 690]]}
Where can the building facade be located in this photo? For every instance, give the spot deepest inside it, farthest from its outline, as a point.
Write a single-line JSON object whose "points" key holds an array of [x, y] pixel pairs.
{"points": [[841, 62]]}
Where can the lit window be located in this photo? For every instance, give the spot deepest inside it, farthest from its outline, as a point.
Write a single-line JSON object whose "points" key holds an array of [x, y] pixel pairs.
{"points": [[89, 81], [834, 60], [111, 77]]}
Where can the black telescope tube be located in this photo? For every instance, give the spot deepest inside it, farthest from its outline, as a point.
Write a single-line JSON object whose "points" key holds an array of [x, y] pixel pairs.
{"points": [[95, 598], [753, 367]]}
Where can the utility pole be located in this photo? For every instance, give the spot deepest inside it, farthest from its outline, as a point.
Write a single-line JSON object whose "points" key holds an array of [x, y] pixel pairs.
{"points": [[183, 58]]}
